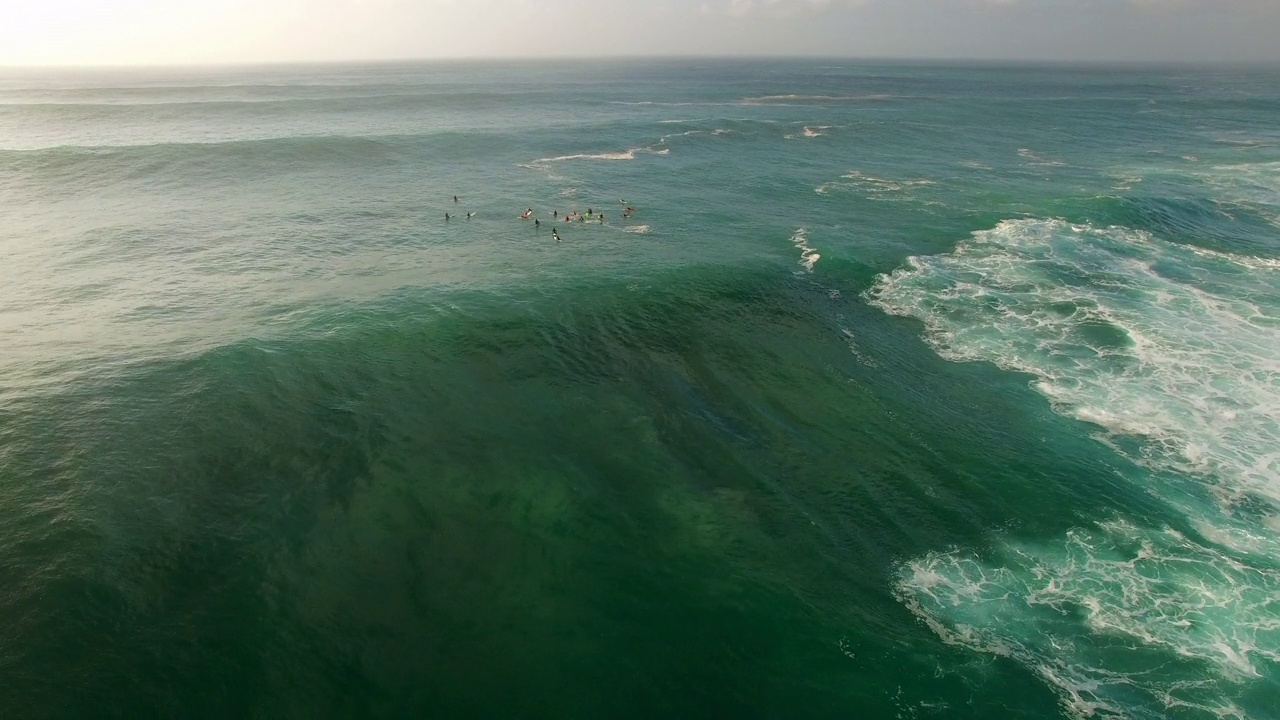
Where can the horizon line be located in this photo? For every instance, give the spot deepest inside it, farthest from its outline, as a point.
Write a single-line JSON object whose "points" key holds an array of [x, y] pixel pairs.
{"points": [[622, 57]]}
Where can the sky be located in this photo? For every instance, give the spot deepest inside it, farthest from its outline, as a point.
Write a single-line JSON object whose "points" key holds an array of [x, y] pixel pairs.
{"points": [[178, 32]]}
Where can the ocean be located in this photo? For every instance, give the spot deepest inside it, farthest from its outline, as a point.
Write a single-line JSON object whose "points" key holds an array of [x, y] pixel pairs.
{"points": [[904, 390]]}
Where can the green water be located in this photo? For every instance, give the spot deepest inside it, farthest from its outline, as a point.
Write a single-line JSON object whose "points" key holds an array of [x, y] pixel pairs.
{"points": [[906, 391]]}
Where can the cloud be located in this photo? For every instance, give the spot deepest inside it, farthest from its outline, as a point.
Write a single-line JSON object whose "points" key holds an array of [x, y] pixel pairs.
{"points": [[777, 8], [1218, 5]]}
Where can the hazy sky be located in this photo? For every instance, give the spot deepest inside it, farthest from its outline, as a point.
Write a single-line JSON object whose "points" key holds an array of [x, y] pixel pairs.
{"points": [[58, 32]]}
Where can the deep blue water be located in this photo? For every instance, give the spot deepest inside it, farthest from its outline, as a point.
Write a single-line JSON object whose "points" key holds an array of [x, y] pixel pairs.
{"points": [[905, 391]]}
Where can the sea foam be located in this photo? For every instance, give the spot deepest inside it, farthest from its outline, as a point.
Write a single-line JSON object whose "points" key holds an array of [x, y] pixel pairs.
{"points": [[808, 256], [875, 187], [1173, 353]]}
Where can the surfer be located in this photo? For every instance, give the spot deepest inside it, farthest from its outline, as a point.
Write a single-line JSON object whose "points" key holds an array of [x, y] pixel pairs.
{"points": [[536, 224], [455, 199], [601, 217], [446, 217], [555, 234], [526, 214], [469, 214]]}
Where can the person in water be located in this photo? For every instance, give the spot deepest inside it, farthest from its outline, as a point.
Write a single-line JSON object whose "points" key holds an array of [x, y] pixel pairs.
{"points": [[455, 199], [555, 234], [601, 216], [446, 217], [536, 223], [588, 212]]}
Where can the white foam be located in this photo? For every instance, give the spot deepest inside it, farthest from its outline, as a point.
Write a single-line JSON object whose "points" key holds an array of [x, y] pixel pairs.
{"points": [[686, 133], [690, 133], [812, 98], [1189, 361], [640, 229], [1127, 182], [808, 256], [627, 155], [809, 131], [674, 104], [1174, 354], [1034, 159], [1068, 610], [857, 181]]}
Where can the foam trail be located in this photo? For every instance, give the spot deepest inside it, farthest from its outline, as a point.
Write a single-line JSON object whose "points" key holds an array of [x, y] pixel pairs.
{"points": [[686, 133], [813, 98], [1174, 354], [856, 180], [808, 256], [627, 155], [1034, 159], [809, 131]]}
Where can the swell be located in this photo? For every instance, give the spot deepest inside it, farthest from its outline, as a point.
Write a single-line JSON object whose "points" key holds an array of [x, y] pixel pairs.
{"points": [[194, 518], [115, 108], [1206, 222], [68, 169], [391, 483]]}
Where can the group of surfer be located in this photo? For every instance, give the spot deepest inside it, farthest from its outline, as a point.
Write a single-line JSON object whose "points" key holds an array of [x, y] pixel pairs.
{"points": [[569, 217], [573, 216], [447, 216]]}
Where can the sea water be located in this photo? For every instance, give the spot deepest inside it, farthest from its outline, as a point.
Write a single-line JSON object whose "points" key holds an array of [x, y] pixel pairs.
{"points": [[905, 391]]}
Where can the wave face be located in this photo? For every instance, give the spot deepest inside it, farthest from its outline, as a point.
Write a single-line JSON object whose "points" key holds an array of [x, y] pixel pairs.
{"points": [[882, 390]]}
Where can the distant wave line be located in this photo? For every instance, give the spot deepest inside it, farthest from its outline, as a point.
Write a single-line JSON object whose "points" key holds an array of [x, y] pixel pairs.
{"points": [[281, 139], [821, 98], [123, 104]]}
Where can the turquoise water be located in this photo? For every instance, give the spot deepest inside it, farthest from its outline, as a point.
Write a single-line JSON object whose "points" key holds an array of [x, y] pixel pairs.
{"points": [[907, 391]]}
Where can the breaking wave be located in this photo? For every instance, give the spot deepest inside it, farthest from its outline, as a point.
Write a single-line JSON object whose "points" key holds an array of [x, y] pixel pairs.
{"points": [[1173, 353]]}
